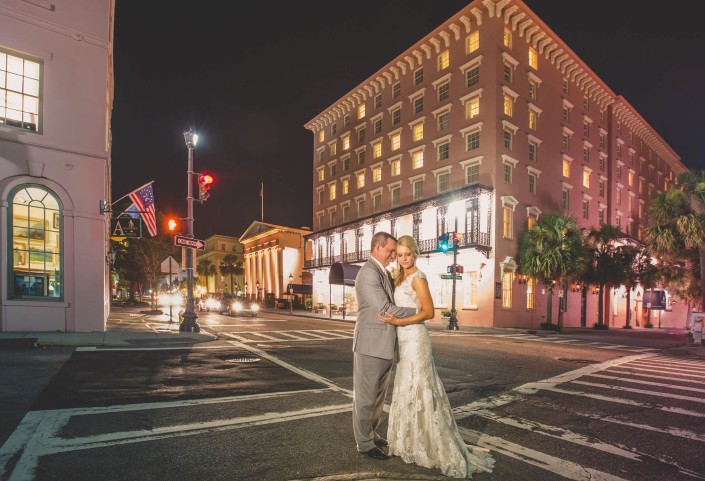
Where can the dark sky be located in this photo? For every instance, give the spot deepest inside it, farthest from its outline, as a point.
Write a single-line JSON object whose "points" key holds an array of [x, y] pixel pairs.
{"points": [[249, 75]]}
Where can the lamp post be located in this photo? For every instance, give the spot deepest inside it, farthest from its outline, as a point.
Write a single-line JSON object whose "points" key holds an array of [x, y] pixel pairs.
{"points": [[291, 293], [189, 324], [453, 320], [257, 292], [247, 296]]}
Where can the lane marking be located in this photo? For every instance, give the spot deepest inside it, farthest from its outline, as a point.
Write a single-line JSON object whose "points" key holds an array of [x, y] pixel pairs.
{"points": [[675, 387], [641, 391]]}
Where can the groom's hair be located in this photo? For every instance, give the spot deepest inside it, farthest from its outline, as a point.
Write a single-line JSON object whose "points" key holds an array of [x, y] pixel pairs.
{"points": [[381, 239]]}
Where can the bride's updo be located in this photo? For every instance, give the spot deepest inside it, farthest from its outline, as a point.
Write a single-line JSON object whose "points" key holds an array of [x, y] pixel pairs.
{"points": [[410, 243]]}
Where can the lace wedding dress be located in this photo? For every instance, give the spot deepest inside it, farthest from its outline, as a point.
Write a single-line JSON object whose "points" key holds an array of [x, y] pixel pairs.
{"points": [[422, 429]]}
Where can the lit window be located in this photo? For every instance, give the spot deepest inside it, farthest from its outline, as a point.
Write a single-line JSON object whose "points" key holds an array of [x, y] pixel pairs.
{"points": [[333, 148], [417, 187], [346, 186], [346, 142], [530, 290], [417, 159], [619, 195], [533, 119], [377, 150], [361, 111], [631, 178], [321, 136], [507, 213], [37, 255], [472, 42], [20, 81], [508, 105], [377, 173], [507, 277], [395, 141], [472, 108], [533, 59], [417, 131], [586, 178], [331, 191], [443, 60], [507, 40], [531, 221], [566, 167], [395, 167], [360, 180]]}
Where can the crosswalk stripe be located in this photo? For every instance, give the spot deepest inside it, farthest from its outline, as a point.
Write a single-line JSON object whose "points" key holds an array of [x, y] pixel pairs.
{"points": [[655, 376], [677, 387], [641, 391]]}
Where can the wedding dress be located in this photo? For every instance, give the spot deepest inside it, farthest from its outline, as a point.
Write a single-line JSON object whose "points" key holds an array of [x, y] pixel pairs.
{"points": [[422, 429]]}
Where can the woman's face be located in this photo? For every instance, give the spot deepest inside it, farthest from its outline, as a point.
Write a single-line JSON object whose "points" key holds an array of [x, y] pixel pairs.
{"points": [[405, 258]]}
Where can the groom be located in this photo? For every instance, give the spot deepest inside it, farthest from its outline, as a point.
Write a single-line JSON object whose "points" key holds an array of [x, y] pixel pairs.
{"points": [[374, 344]]}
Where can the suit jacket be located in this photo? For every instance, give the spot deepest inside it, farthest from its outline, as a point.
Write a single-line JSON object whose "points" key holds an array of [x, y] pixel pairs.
{"points": [[375, 295]]}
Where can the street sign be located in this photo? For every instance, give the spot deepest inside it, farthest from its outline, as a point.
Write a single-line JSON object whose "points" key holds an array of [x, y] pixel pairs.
{"points": [[169, 265], [125, 227], [458, 277], [184, 241]]}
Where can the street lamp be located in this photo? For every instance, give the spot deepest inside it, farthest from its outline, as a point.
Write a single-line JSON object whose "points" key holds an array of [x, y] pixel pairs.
{"points": [[291, 293], [189, 324], [247, 296], [257, 292], [453, 321], [110, 257]]}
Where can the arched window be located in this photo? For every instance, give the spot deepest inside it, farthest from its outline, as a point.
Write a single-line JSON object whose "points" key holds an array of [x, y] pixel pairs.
{"points": [[37, 258]]}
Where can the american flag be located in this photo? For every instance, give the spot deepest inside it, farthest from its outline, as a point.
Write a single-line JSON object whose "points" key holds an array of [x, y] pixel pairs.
{"points": [[144, 201]]}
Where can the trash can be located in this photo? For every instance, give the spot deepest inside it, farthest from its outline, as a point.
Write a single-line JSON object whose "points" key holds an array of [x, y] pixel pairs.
{"points": [[696, 321]]}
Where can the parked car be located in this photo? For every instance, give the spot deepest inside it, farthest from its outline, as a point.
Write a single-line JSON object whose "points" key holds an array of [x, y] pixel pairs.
{"points": [[238, 306]]}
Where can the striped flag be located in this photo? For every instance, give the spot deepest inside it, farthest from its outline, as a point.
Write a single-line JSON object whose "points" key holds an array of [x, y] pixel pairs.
{"points": [[143, 199]]}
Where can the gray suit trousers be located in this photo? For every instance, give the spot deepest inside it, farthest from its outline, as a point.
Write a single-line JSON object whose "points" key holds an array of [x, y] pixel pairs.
{"points": [[370, 382]]}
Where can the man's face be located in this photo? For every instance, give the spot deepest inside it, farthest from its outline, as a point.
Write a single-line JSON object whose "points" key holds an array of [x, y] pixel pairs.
{"points": [[385, 253]]}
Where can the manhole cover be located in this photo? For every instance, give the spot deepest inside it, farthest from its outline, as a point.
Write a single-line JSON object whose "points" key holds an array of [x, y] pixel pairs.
{"points": [[243, 359]]}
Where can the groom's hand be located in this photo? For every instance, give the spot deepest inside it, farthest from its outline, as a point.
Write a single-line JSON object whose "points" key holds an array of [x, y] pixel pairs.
{"points": [[389, 318]]}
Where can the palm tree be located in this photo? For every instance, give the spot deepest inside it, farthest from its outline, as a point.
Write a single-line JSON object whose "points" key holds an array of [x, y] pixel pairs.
{"points": [[638, 268], [605, 263], [552, 252], [231, 266], [677, 221], [206, 269]]}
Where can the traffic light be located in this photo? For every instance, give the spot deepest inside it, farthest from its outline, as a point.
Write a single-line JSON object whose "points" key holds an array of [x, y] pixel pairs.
{"points": [[456, 240], [204, 184], [443, 242], [171, 224]]}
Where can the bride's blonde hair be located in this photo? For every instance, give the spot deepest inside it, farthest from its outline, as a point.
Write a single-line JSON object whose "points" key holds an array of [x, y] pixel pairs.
{"points": [[410, 243]]}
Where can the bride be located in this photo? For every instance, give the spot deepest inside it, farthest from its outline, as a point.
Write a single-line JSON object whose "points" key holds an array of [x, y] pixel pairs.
{"points": [[422, 429]]}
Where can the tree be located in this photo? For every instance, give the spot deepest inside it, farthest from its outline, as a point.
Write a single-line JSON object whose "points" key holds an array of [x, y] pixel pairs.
{"points": [[638, 268], [231, 266], [677, 223], [552, 252], [605, 263], [149, 255], [206, 269]]}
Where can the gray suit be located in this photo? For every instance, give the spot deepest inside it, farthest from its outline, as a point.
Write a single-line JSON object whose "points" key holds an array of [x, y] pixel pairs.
{"points": [[374, 346]]}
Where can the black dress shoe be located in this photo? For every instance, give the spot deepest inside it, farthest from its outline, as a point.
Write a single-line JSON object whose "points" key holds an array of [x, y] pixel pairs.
{"points": [[376, 453], [381, 443]]}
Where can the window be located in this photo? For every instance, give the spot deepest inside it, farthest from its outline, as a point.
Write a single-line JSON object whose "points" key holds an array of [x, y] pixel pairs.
{"points": [[508, 73], [507, 39], [602, 162], [472, 108], [472, 173], [331, 191], [602, 187], [418, 76], [472, 76], [361, 135], [566, 86], [507, 277], [361, 207], [530, 293], [20, 83], [333, 169], [566, 142], [602, 140], [533, 150], [507, 212], [361, 111], [532, 183], [533, 119], [443, 60], [320, 196], [360, 179], [377, 149], [508, 139], [586, 104], [619, 195], [418, 105], [396, 90], [333, 148], [508, 173], [396, 116], [533, 89], [346, 213], [346, 121], [333, 129], [619, 171], [443, 92], [345, 186], [378, 101], [321, 174], [443, 151], [361, 156], [443, 121], [566, 167], [508, 105], [417, 159], [586, 129], [395, 195], [395, 167], [601, 215], [377, 125], [565, 198], [566, 114], [533, 59], [346, 142], [586, 153], [472, 42], [443, 182], [320, 155], [395, 141], [346, 163], [37, 256], [586, 208], [417, 189], [472, 141], [321, 136], [417, 131], [376, 202], [376, 173], [630, 177], [586, 177], [332, 217]]}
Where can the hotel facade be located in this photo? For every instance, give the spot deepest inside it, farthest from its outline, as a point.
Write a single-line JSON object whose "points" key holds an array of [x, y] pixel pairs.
{"points": [[56, 96], [481, 127]]}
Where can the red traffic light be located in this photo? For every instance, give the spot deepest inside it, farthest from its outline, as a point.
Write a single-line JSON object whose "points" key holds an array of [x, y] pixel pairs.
{"points": [[205, 179]]}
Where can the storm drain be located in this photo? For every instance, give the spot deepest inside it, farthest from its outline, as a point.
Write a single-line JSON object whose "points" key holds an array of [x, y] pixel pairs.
{"points": [[243, 359]]}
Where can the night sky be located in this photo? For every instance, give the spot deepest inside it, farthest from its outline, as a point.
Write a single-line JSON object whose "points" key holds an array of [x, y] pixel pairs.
{"points": [[248, 76]]}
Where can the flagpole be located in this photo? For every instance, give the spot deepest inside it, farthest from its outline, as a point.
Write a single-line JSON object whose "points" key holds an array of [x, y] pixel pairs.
{"points": [[261, 194], [126, 195]]}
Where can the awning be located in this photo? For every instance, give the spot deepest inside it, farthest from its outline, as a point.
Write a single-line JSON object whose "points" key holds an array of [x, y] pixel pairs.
{"points": [[302, 289], [343, 274]]}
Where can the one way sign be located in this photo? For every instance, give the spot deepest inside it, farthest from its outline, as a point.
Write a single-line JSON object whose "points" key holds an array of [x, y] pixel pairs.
{"points": [[183, 241]]}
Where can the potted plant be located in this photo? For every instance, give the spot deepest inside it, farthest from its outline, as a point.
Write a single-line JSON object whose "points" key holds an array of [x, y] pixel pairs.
{"points": [[445, 313]]}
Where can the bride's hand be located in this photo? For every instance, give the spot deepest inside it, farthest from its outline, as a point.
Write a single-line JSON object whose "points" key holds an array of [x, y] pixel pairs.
{"points": [[389, 319]]}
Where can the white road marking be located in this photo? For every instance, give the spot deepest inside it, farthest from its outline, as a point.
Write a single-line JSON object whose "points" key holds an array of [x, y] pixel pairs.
{"points": [[641, 391], [133, 349], [631, 371], [676, 387]]}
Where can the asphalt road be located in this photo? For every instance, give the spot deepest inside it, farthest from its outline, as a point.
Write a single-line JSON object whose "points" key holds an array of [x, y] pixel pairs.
{"points": [[270, 400]]}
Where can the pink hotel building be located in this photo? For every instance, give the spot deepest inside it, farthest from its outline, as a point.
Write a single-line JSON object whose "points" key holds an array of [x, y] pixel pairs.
{"points": [[489, 122]]}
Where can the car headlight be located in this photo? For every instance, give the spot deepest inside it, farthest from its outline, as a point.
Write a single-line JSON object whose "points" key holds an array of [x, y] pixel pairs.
{"points": [[237, 306], [255, 307]]}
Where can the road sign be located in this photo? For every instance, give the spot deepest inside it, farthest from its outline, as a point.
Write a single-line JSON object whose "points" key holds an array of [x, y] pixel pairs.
{"points": [[458, 277], [184, 241]]}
